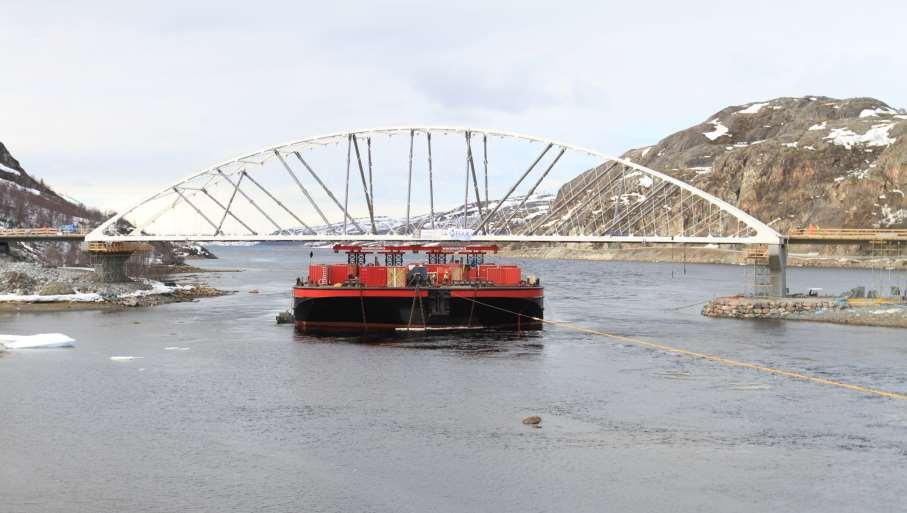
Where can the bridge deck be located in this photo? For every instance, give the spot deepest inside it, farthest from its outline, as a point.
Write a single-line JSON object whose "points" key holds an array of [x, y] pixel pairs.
{"points": [[844, 235], [40, 234]]}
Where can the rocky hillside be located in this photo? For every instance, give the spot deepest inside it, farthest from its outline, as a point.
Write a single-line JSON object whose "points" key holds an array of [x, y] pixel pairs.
{"points": [[28, 202], [792, 162]]}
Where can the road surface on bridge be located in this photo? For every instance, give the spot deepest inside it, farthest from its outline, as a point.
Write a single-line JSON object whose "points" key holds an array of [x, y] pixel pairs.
{"points": [[40, 234]]}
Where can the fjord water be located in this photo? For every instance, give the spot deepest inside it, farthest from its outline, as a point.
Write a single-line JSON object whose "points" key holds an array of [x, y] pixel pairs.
{"points": [[252, 417]]}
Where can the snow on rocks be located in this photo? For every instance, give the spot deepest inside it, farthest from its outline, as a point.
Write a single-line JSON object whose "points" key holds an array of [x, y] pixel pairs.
{"points": [[867, 113], [875, 136], [719, 130], [752, 109]]}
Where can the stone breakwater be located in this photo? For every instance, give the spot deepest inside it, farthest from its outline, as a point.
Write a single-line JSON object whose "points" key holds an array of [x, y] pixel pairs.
{"points": [[807, 309], [739, 307]]}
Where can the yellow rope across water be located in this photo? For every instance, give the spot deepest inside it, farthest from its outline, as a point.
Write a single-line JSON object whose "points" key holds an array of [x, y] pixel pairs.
{"points": [[710, 357]]}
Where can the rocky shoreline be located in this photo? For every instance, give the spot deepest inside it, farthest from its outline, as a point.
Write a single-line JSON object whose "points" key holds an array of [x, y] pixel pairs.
{"points": [[30, 286], [818, 309]]}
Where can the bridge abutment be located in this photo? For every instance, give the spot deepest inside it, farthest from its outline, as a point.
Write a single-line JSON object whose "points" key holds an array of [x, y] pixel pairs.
{"points": [[777, 269]]}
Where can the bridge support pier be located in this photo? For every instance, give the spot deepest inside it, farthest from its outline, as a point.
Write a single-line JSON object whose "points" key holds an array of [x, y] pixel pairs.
{"points": [[777, 269], [111, 267], [4, 247]]}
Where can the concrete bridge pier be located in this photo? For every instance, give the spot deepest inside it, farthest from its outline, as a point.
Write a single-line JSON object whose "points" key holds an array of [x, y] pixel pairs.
{"points": [[777, 269], [110, 258], [111, 267]]}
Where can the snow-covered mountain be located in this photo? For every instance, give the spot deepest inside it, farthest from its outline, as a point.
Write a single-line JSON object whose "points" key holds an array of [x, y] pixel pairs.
{"points": [[512, 214], [28, 202], [793, 162]]}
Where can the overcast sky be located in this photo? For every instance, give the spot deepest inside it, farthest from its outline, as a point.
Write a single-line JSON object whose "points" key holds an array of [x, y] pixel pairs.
{"points": [[108, 101]]}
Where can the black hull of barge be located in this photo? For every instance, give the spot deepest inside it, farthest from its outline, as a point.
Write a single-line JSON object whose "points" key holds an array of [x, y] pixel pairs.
{"points": [[437, 311]]}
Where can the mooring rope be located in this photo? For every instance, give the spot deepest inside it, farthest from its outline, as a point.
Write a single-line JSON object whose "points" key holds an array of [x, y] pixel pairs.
{"points": [[706, 356]]}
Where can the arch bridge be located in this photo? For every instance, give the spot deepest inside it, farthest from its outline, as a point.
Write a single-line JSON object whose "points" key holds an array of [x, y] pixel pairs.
{"points": [[435, 184]]}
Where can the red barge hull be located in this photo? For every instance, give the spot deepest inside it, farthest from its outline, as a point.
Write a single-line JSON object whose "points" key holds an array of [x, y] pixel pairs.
{"points": [[340, 309]]}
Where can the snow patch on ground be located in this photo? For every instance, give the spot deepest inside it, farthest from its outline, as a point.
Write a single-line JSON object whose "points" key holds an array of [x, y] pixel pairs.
{"points": [[91, 297], [752, 109], [867, 113], [875, 136], [818, 126], [645, 151], [719, 130], [702, 170], [890, 216], [791, 144], [646, 181], [10, 170]]}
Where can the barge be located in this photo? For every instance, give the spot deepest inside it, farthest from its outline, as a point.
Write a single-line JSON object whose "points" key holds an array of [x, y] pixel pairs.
{"points": [[452, 289]]}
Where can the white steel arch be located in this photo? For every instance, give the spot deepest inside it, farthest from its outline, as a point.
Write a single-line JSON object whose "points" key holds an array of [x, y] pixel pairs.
{"points": [[428, 189]]}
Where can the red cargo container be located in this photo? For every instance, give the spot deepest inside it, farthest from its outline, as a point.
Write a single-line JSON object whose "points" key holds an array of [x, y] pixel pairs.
{"points": [[472, 274], [373, 276], [494, 275], [318, 274], [339, 273], [483, 270], [510, 275]]}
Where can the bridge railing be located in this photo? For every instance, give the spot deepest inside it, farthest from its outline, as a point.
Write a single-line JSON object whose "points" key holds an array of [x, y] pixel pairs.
{"points": [[41, 232], [847, 234]]}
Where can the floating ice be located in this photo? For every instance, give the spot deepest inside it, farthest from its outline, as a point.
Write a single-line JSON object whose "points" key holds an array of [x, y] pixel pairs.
{"points": [[176, 348], [39, 341], [125, 358]]}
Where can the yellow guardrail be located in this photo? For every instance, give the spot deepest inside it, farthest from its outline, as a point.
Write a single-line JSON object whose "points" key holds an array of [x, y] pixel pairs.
{"points": [[867, 234]]}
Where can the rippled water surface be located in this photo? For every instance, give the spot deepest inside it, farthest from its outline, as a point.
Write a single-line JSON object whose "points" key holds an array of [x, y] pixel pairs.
{"points": [[252, 417]]}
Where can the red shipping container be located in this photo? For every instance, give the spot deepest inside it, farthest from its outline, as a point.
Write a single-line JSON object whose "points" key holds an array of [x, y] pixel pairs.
{"points": [[483, 270], [317, 272], [373, 276], [510, 275], [472, 274], [339, 273], [494, 275]]}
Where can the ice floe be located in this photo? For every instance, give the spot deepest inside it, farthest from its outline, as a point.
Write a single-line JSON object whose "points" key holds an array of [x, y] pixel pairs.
{"points": [[39, 341], [125, 358]]}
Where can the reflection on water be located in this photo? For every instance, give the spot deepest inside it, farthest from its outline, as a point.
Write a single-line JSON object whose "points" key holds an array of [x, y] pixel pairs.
{"points": [[253, 416]]}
